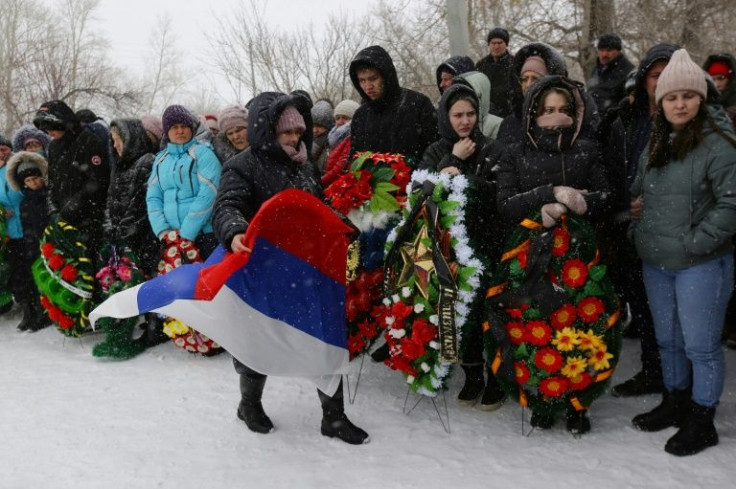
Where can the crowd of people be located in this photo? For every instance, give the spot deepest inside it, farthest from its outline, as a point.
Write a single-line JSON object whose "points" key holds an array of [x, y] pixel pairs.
{"points": [[647, 153]]}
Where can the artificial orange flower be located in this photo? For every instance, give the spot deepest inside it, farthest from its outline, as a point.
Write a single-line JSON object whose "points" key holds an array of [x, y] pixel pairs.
{"points": [[522, 372], [563, 317], [561, 242], [590, 308], [538, 333], [574, 273], [553, 386], [516, 332], [548, 359]]}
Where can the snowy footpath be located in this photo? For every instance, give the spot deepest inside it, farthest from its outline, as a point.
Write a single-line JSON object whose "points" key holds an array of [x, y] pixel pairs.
{"points": [[166, 419]]}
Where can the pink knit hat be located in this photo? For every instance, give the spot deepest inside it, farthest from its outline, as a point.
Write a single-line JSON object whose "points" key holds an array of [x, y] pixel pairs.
{"points": [[152, 124], [535, 64], [290, 119], [232, 116], [681, 73]]}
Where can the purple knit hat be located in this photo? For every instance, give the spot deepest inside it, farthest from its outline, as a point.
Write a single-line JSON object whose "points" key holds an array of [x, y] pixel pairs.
{"points": [[178, 114]]}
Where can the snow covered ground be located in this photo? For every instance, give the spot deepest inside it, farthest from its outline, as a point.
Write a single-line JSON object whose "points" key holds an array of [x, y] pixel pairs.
{"points": [[167, 420]]}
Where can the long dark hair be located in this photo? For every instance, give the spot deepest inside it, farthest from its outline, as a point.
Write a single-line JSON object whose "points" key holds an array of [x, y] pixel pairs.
{"points": [[662, 150]]}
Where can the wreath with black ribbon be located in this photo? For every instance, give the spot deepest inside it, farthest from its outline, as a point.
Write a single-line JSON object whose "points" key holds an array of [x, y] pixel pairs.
{"points": [[553, 317]]}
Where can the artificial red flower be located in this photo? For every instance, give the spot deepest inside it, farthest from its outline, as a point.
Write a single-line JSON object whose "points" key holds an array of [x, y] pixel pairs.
{"points": [[45, 302], [402, 364], [422, 331], [561, 242], [553, 386], [574, 273], [514, 313], [590, 308], [516, 332], [521, 372], [580, 382], [402, 176], [538, 333], [356, 344], [69, 273], [412, 349], [522, 259], [563, 317], [548, 359], [368, 329], [401, 310], [47, 249], [65, 322], [56, 261]]}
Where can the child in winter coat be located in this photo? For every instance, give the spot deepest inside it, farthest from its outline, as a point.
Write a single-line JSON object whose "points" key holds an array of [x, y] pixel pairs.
{"points": [[27, 173]]}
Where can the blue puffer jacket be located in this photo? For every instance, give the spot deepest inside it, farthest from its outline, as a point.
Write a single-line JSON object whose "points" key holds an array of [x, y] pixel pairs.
{"points": [[10, 200], [182, 189]]}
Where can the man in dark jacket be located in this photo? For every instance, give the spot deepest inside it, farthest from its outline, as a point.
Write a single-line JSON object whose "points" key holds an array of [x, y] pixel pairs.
{"points": [[722, 68], [450, 68], [391, 119], [79, 171], [606, 83], [497, 67], [276, 160], [628, 138]]}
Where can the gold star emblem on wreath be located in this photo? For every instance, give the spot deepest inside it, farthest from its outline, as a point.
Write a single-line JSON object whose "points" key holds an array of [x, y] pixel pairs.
{"points": [[416, 260]]}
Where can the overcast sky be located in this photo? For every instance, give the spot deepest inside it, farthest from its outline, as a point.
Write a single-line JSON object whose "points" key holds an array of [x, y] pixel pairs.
{"points": [[127, 24]]}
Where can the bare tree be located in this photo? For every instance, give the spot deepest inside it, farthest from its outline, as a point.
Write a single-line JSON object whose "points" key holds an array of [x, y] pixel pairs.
{"points": [[162, 78]]}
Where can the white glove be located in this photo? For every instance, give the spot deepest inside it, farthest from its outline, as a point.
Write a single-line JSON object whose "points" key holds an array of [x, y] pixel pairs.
{"points": [[573, 199], [552, 212]]}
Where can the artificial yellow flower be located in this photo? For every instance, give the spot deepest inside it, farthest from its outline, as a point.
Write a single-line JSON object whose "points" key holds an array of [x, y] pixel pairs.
{"points": [[566, 339], [599, 357], [574, 366], [174, 328], [590, 341]]}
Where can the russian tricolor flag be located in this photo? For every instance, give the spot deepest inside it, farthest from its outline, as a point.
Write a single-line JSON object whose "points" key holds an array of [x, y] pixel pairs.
{"points": [[280, 309]]}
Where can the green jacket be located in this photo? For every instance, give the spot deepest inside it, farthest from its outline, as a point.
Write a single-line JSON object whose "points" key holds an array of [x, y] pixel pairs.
{"points": [[689, 211]]}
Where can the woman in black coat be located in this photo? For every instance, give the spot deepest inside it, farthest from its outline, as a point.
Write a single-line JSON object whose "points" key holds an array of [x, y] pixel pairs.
{"points": [[278, 159], [553, 169], [79, 172], [463, 149]]}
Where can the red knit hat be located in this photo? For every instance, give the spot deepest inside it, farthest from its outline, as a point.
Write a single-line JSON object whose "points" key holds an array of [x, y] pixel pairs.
{"points": [[720, 68]]}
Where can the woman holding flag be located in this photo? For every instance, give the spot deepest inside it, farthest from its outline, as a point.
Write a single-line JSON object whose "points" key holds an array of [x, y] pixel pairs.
{"points": [[277, 160]]}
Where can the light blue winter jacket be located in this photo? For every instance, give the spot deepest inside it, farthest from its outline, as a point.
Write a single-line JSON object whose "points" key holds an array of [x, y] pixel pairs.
{"points": [[10, 200], [182, 189]]}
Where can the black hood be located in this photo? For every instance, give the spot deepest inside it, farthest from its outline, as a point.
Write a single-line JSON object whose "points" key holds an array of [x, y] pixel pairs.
{"points": [[727, 98], [443, 119], [56, 115], [456, 65], [263, 115], [554, 61], [582, 113], [658, 52], [376, 57], [135, 142]]}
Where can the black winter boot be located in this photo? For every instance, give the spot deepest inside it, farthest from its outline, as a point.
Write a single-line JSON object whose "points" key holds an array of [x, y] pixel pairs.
{"points": [[697, 432], [334, 421], [250, 408], [153, 333], [670, 412], [578, 422], [639, 385], [39, 319], [493, 396], [473, 386], [27, 321], [542, 421]]}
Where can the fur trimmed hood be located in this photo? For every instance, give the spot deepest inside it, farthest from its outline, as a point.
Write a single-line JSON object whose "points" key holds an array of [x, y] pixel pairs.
{"points": [[28, 157]]}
